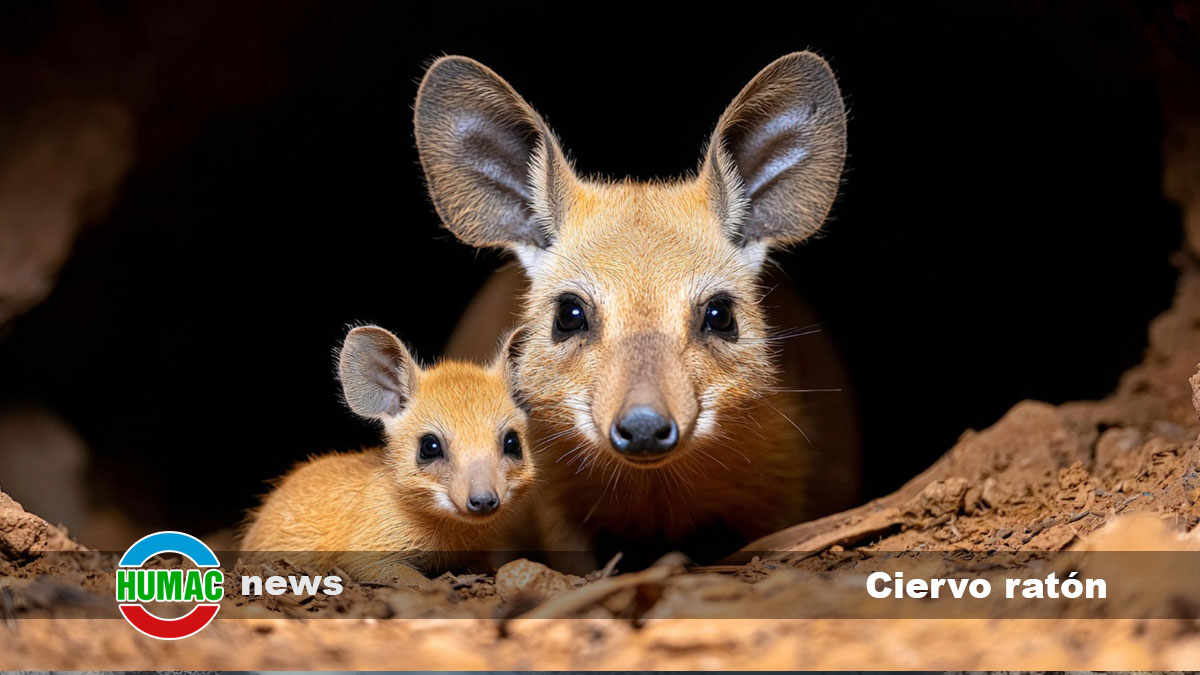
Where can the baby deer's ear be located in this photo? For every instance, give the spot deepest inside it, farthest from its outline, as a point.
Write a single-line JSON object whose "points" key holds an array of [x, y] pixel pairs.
{"points": [[506, 363], [495, 171], [776, 156], [377, 372]]}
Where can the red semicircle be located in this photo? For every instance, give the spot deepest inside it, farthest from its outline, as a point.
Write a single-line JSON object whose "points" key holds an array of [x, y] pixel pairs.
{"points": [[169, 629]]}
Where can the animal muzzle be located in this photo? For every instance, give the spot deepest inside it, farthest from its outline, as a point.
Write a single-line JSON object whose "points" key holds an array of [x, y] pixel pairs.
{"points": [[654, 383], [643, 433], [483, 503], [482, 495]]}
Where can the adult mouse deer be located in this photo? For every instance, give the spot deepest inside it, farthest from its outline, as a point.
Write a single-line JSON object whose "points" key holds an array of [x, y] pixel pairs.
{"points": [[672, 414]]}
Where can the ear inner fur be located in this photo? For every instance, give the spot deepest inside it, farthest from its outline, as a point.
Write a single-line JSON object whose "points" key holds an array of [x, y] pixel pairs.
{"points": [[495, 171], [376, 371], [776, 156]]}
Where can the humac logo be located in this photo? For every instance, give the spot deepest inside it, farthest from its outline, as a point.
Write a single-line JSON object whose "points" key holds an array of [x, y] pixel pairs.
{"points": [[137, 587]]}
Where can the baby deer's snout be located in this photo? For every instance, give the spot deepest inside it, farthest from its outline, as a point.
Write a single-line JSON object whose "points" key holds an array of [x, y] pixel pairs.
{"points": [[480, 491]]}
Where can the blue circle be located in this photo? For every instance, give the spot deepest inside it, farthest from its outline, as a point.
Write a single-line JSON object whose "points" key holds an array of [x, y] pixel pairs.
{"points": [[169, 542]]}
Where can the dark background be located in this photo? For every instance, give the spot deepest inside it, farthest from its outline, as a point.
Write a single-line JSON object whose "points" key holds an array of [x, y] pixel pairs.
{"points": [[1000, 234]]}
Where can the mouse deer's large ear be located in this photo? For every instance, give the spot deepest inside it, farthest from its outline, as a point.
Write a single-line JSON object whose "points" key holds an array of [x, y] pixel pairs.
{"points": [[776, 156], [495, 171], [378, 374]]}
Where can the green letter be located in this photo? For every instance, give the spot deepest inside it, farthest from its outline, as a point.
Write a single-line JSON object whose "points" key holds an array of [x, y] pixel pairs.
{"points": [[170, 585], [125, 585], [214, 585], [194, 592], [145, 586]]}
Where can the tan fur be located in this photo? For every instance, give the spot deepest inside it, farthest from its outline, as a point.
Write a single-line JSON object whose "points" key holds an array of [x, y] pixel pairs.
{"points": [[340, 506], [749, 467], [645, 258]]}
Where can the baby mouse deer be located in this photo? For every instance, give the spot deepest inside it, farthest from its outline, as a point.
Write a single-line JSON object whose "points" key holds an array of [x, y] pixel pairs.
{"points": [[675, 416], [446, 490]]}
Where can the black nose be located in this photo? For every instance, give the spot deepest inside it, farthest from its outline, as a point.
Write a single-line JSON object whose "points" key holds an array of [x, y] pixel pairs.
{"points": [[483, 503], [644, 432]]}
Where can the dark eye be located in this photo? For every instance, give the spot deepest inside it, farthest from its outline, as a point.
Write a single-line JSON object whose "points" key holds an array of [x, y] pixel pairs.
{"points": [[512, 445], [569, 318], [718, 318], [430, 448]]}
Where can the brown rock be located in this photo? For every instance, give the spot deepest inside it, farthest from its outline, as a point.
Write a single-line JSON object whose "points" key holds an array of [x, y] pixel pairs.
{"points": [[24, 535], [525, 577], [993, 493], [942, 498], [973, 500], [1072, 476]]}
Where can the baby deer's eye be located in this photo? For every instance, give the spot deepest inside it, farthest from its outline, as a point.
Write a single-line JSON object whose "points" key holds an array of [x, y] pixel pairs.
{"points": [[569, 318], [718, 318], [512, 445], [429, 448]]}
